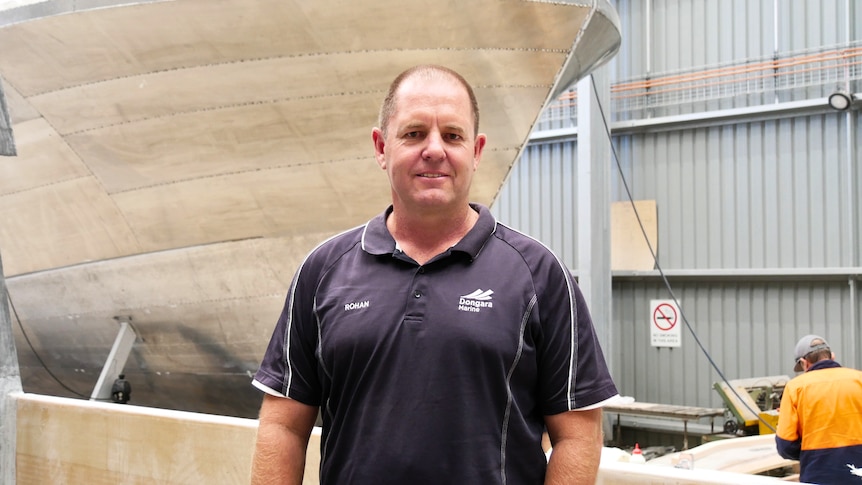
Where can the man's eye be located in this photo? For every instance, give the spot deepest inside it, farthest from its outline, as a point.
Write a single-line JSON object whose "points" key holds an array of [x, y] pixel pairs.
{"points": [[454, 137], [412, 134]]}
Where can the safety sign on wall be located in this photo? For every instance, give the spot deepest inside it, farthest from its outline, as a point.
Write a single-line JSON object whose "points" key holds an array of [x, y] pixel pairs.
{"points": [[665, 324]]}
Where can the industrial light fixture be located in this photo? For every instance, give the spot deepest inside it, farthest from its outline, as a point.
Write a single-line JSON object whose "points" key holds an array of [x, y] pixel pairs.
{"points": [[840, 100]]}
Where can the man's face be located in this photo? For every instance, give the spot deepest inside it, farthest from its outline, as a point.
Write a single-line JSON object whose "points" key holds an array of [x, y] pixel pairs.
{"points": [[430, 152]]}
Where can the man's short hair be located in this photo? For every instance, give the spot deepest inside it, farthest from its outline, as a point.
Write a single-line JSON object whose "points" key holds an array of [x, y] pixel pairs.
{"points": [[426, 71]]}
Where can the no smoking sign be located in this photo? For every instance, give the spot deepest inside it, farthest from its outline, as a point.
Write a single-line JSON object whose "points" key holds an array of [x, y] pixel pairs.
{"points": [[664, 324]]}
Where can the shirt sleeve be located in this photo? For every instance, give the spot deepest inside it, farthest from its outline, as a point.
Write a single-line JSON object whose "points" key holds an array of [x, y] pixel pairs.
{"points": [[788, 442], [572, 365], [289, 366]]}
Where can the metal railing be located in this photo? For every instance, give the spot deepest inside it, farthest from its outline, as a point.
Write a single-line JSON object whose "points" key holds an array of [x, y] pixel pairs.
{"points": [[797, 75]]}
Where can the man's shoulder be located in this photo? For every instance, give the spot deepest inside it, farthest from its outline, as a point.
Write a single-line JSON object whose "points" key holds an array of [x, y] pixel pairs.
{"points": [[336, 246], [847, 372], [522, 242], [825, 374], [542, 263]]}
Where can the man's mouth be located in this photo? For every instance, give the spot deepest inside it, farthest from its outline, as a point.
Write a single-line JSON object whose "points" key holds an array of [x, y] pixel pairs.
{"points": [[431, 175]]}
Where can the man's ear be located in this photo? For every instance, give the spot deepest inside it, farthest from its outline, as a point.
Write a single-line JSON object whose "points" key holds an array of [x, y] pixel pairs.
{"points": [[379, 147], [481, 139]]}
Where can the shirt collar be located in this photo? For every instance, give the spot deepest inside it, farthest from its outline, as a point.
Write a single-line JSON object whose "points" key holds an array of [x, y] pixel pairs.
{"points": [[823, 364], [377, 240]]}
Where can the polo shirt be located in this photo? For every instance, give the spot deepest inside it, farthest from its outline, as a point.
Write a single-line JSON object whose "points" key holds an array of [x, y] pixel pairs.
{"points": [[435, 373]]}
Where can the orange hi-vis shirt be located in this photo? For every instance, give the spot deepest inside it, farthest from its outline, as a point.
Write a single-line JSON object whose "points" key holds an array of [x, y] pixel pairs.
{"points": [[820, 423]]}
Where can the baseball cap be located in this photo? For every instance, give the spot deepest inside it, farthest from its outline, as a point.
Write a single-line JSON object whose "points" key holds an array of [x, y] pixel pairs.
{"points": [[806, 345]]}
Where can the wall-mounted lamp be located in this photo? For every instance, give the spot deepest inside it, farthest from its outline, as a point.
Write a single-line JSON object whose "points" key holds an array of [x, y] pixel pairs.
{"points": [[840, 100]]}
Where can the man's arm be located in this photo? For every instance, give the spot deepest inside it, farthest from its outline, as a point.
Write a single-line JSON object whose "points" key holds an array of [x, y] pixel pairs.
{"points": [[282, 438], [576, 437], [788, 449], [788, 442]]}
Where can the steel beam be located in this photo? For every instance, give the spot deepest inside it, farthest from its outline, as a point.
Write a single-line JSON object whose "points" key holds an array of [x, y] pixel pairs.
{"points": [[116, 362], [10, 384]]}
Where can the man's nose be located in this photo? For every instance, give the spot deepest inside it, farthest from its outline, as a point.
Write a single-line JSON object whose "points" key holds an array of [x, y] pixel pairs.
{"points": [[434, 147]]}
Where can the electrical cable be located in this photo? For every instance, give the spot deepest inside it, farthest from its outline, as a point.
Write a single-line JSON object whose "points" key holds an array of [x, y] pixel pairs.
{"points": [[658, 266], [39, 358]]}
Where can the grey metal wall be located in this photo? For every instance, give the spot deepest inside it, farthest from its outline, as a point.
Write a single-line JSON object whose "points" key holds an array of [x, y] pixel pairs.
{"points": [[748, 328], [539, 197], [759, 214], [766, 194]]}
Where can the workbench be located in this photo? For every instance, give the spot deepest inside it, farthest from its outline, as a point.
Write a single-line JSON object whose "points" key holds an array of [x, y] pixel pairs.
{"points": [[666, 411]]}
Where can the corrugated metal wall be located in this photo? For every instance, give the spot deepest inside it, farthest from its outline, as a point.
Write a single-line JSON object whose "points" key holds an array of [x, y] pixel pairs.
{"points": [[767, 194], [539, 197], [759, 218], [748, 328]]}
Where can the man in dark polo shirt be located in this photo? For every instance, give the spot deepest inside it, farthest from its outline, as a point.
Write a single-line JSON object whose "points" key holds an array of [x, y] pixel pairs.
{"points": [[436, 343]]}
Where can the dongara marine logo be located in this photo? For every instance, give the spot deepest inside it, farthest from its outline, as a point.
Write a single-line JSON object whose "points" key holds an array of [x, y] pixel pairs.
{"points": [[475, 301]]}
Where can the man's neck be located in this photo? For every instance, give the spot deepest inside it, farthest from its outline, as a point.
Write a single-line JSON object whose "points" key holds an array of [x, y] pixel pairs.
{"points": [[424, 236]]}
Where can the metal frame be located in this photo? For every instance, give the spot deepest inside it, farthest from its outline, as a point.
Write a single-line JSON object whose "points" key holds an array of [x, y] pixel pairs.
{"points": [[115, 363]]}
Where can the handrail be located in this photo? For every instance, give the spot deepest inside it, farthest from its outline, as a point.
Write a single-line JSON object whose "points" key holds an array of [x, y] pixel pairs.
{"points": [[742, 69], [725, 82], [776, 69]]}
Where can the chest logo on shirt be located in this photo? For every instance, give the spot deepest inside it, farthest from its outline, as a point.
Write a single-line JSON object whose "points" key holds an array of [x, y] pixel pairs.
{"points": [[356, 305], [474, 302]]}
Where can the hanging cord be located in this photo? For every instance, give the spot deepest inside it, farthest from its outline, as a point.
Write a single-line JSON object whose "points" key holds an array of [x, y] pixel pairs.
{"points": [[658, 266], [39, 358]]}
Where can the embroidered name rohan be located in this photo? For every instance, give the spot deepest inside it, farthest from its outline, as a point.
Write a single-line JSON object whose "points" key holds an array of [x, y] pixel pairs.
{"points": [[357, 305]]}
